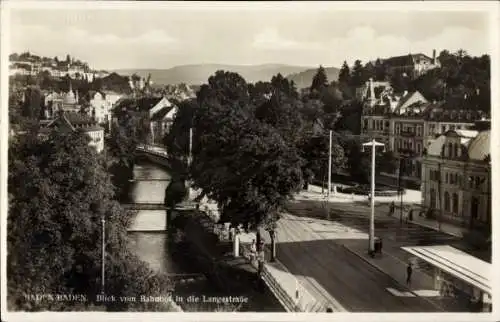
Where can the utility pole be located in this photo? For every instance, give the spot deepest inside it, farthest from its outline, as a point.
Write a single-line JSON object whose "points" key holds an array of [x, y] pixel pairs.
{"points": [[400, 190], [103, 246], [189, 161], [329, 176]]}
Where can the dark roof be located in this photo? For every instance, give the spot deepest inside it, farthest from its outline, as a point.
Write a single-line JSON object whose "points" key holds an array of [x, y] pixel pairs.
{"points": [[143, 104], [436, 112], [161, 113], [78, 119], [405, 59]]}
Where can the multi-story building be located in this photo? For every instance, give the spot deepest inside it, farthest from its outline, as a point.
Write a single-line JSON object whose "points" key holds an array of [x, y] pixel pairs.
{"points": [[101, 104], [408, 123], [68, 101], [456, 177], [412, 65], [71, 121], [161, 122], [157, 111]]}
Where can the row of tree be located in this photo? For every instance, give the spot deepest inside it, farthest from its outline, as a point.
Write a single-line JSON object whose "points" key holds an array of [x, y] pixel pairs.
{"points": [[460, 79], [255, 145], [54, 225]]}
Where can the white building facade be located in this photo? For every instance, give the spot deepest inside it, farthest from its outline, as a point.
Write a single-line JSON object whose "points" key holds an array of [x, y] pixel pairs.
{"points": [[456, 178]]}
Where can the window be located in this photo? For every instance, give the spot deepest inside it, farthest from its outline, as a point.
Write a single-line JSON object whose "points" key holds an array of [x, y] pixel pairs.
{"points": [[446, 201], [478, 182], [433, 198], [455, 203], [443, 128], [418, 148], [471, 181], [450, 150], [455, 152], [365, 124]]}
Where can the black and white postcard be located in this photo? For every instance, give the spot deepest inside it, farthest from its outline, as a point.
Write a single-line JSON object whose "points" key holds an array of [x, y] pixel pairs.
{"points": [[258, 158]]}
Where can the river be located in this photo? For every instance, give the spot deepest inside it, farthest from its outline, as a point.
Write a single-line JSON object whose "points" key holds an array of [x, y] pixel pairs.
{"points": [[148, 236]]}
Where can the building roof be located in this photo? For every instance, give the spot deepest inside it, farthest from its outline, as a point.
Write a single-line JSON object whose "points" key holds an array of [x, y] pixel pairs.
{"points": [[479, 147], [73, 121], [404, 60], [455, 262], [162, 113], [477, 144], [143, 104]]}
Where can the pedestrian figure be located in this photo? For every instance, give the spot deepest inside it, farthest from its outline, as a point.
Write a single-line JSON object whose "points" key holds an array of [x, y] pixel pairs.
{"points": [[260, 258], [391, 209], [253, 251], [409, 271]]}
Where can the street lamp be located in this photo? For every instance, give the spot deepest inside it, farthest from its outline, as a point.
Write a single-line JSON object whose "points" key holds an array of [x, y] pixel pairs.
{"points": [[103, 259], [329, 176], [373, 144]]}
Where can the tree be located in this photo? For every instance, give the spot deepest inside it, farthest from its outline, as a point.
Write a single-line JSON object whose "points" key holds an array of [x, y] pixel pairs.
{"points": [[54, 228], [345, 74], [314, 150], [243, 164], [177, 139], [357, 75], [380, 70], [33, 103], [319, 80]]}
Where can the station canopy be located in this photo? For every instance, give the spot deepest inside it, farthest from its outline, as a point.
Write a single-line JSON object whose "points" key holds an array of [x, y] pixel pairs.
{"points": [[457, 263]]}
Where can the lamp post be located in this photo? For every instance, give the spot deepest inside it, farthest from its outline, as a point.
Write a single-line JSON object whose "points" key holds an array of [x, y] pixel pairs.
{"points": [[373, 144], [400, 190], [329, 177], [103, 259]]}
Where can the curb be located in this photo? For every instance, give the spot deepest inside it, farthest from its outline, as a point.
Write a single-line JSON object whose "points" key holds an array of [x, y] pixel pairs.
{"points": [[391, 277], [435, 229]]}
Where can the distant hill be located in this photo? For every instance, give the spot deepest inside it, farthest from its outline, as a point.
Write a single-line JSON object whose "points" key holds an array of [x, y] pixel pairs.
{"points": [[304, 78], [199, 74]]}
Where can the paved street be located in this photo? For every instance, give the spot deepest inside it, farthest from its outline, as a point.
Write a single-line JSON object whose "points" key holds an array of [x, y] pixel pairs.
{"points": [[311, 252], [355, 214]]}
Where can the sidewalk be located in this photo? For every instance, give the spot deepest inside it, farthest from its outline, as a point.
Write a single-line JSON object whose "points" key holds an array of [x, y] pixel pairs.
{"points": [[382, 207], [422, 284]]}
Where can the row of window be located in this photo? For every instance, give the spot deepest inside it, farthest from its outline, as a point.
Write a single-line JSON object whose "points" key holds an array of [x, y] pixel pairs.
{"points": [[376, 125], [450, 201], [380, 125], [402, 144], [409, 128], [453, 178], [434, 129], [452, 150]]}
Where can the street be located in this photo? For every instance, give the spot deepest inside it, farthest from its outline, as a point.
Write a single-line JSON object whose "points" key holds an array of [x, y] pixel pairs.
{"points": [[355, 284]]}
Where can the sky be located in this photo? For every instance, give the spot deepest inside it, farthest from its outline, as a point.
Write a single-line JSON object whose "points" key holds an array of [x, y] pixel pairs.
{"points": [[163, 36]]}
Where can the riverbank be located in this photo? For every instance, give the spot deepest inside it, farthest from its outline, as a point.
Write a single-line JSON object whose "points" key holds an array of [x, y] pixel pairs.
{"points": [[233, 277]]}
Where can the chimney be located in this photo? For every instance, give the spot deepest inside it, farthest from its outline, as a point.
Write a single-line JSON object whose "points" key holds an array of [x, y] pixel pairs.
{"points": [[434, 56]]}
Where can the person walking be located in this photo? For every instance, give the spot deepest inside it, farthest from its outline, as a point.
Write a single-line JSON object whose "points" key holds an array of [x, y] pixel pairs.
{"points": [[409, 271], [391, 209]]}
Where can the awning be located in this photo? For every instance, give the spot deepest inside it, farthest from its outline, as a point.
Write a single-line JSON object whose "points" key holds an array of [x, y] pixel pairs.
{"points": [[457, 263]]}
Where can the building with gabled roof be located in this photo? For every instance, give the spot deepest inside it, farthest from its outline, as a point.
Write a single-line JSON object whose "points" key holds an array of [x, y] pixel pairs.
{"points": [[412, 65], [161, 122], [71, 121], [408, 123]]}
